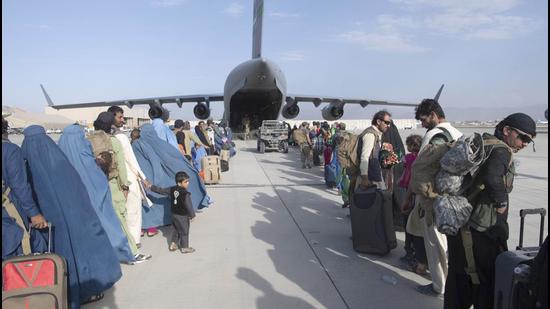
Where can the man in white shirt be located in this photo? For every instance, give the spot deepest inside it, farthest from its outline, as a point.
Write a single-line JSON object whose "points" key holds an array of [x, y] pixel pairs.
{"points": [[432, 117], [135, 175], [371, 143]]}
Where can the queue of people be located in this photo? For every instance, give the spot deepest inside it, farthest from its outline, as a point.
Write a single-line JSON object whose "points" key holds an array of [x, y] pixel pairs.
{"points": [[429, 252], [101, 192]]}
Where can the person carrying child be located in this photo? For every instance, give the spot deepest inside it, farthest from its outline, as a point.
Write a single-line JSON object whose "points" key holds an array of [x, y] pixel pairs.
{"points": [[182, 211]]}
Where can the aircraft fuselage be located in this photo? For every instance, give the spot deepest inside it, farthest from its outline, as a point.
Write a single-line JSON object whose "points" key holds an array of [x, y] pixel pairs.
{"points": [[255, 88]]}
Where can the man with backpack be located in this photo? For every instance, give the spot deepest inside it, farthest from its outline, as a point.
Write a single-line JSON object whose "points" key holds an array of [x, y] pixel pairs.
{"points": [[109, 155], [471, 279], [432, 117], [301, 137], [369, 150]]}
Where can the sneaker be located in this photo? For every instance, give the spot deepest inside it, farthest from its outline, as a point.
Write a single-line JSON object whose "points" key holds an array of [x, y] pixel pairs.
{"points": [[173, 247], [304, 166], [345, 205], [428, 291], [140, 258], [187, 250]]}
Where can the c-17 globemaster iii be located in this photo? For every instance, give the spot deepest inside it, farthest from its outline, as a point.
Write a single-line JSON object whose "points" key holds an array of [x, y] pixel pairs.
{"points": [[256, 88]]}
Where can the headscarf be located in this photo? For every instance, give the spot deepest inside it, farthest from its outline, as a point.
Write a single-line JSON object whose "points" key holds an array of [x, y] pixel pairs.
{"points": [[79, 152], [164, 133], [160, 162], [78, 235]]}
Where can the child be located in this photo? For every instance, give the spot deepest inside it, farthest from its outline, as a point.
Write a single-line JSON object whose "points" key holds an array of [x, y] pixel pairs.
{"points": [[182, 211], [414, 246]]}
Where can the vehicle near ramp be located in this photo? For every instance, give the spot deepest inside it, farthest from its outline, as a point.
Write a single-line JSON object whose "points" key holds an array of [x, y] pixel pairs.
{"points": [[273, 135]]}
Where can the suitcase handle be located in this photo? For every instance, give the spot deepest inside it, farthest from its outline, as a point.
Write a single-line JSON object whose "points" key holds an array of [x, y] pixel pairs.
{"points": [[49, 236], [525, 212]]}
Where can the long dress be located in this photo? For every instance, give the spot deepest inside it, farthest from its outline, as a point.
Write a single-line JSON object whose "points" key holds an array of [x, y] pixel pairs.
{"points": [[14, 176], [160, 162], [78, 235], [79, 152], [134, 200]]}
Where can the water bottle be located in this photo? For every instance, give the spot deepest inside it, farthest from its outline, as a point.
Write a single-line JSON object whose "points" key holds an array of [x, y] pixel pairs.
{"points": [[522, 272]]}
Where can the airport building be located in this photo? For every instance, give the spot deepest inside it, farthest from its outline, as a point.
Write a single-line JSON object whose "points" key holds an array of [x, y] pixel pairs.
{"points": [[134, 117]]}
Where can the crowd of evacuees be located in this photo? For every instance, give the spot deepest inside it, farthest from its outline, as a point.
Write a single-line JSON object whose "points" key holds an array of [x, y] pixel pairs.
{"points": [[101, 192], [96, 195], [387, 163]]}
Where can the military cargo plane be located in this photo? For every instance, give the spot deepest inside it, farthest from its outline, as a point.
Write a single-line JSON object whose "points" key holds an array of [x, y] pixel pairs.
{"points": [[256, 89]]}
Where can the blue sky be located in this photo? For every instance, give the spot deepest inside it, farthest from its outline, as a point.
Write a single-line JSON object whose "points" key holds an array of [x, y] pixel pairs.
{"points": [[490, 54]]}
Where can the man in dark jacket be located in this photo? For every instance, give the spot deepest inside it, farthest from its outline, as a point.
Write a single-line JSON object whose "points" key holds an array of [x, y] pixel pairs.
{"points": [[462, 289]]}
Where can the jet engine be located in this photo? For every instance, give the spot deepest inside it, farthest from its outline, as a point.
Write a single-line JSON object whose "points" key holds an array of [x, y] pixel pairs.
{"points": [[333, 112], [201, 111], [291, 111]]}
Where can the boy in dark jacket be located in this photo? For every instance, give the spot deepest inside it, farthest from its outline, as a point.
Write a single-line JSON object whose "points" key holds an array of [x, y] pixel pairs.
{"points": [[182, 211]]}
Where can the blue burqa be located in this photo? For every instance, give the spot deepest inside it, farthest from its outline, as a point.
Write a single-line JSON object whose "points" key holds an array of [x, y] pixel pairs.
{"points": [[79, 152], [164, 132], [160, 162], [78, 236], [14, 175]]}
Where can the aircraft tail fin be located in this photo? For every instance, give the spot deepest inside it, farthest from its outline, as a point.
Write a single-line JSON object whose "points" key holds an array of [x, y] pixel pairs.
{"points": [[48, 99], [257, 28], [436, 98]]}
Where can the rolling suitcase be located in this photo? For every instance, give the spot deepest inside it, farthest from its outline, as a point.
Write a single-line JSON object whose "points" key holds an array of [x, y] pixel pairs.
{"points": [[512, 267], [372, 221], [35, 281], [224, 160], [212, 169]]}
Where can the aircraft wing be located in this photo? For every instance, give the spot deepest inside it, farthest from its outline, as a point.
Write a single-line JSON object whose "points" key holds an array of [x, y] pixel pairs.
{"points": [[179, 100], [317, 100]]}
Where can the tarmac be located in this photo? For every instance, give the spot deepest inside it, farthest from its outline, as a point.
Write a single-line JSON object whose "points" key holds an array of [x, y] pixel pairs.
{"points": [[276, 237]]}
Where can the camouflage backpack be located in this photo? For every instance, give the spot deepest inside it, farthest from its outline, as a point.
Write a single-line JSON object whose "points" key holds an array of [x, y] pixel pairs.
{"points": [[104, 154], [349, 150]]}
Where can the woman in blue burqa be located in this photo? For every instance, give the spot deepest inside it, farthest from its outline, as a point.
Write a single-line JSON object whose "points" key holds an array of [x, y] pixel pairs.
{"points": [[160, 162], [78, 235], [14, 179], [79, 152]]}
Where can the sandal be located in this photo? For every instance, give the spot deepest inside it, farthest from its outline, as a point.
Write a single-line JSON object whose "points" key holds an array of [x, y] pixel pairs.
{"points": [[94, 298]]}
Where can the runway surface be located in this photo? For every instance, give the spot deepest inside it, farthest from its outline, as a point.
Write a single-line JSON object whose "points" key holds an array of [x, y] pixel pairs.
{"points": [[277, 238]]}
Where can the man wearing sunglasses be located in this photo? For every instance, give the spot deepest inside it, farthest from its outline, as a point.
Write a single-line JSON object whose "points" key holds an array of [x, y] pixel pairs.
{"points": [[439, 131], [517, 131], [371, 172]]}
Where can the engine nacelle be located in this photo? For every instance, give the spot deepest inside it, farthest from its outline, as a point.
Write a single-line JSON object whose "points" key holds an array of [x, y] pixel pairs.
{"points": [[201, 111], [333, 112], [291, 111]]}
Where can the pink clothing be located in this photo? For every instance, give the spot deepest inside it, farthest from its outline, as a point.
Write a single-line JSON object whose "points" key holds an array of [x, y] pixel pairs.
{"points": [[406, 177]]}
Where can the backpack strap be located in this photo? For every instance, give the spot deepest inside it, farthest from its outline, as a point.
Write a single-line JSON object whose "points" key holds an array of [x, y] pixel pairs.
{"points": [[360, 142], [12, 212], [468, 243], [445, 133]]}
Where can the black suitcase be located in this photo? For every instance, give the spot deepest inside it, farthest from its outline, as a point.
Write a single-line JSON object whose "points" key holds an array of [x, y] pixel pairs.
{"points": [[372, 221], [512, 267]]}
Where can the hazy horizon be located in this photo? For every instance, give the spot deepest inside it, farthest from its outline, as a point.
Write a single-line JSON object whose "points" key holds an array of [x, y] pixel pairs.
{"points": [[491, 55]]}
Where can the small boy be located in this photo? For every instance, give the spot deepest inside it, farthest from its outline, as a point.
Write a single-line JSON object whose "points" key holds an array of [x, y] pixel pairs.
{"points": [[182, 211]]}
